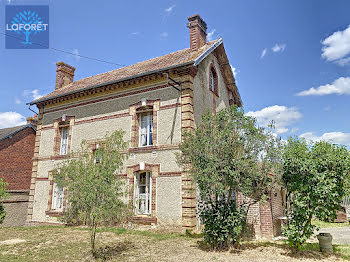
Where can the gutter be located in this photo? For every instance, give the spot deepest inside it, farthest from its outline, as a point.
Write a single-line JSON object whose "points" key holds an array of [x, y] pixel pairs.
{"points": [[18, 130]]}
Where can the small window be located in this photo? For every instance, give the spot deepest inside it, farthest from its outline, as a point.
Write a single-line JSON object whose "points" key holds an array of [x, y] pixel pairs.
{"points": [[213, 81], [64, 141], [57, 198], [143, 194], [146, 129], [97, 155]]}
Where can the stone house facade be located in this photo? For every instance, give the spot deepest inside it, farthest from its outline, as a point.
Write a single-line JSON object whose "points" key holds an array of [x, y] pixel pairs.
{"points": [[154, 102], [16, 153]]}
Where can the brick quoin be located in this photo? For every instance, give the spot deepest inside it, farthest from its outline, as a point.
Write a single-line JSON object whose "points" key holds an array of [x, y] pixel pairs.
{"points": [[16, 162]]}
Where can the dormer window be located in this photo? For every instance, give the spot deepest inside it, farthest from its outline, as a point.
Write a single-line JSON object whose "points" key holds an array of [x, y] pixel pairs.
{"points": [[213, 81]]}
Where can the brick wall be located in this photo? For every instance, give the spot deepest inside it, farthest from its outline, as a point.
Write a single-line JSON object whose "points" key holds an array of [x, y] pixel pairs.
{"points": [[16, 155]]}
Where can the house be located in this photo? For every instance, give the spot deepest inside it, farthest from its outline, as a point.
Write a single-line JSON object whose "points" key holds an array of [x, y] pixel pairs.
{"points": [[154, 102], [16, 153]]}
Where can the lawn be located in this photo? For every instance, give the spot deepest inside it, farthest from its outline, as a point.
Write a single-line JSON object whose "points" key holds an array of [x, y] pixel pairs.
{"points": [[323, 224], [51, 243]]}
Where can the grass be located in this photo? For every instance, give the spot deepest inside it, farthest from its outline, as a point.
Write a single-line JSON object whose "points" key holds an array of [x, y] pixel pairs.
{"points": [[323, 224], [58, 243]]}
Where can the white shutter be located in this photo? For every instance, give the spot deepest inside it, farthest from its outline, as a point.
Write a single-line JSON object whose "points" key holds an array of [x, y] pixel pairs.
{"points": [[64, 141]]}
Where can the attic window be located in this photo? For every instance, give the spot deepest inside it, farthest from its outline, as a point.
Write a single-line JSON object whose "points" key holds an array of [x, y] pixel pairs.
{"points": [[213, 81]]}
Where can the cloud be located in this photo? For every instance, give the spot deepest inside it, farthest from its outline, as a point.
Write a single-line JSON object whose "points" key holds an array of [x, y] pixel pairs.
{"points": [[263, 53], [337, 46], [135, 33], [17, 101], [210, 35], [76, 54], [333, 137], [31, 94], [278, 48], [164, 35], [234, 72], [340, 86], [9, 119], [282, 117], [169, 9]]}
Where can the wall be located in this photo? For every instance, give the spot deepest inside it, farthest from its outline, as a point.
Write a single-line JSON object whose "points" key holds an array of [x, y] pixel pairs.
{"points": [[108, 113], [204, 99], [16, 155]]}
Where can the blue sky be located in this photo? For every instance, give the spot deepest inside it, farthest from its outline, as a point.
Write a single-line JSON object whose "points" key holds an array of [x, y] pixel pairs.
{"points": [[291, 58]]}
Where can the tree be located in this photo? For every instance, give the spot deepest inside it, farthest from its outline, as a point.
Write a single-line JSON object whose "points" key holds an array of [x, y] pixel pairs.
{"points": [[226, 154], [3, 195], [94, 191], [316, 177]]}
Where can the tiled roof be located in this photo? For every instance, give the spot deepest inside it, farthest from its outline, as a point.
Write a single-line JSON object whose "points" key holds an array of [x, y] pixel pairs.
{"points": [[6, 132], [170, 60]]}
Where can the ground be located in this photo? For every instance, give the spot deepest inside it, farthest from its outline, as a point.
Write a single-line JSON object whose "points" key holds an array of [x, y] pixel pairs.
{"points": [[71, 244]]}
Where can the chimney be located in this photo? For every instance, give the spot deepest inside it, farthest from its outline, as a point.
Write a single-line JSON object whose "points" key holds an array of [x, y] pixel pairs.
{"points": [[198, 32], [64, 75], [33, 120]]}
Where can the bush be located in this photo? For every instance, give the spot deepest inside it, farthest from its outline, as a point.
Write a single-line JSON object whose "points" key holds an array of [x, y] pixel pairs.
{"points": [[223, 223]]}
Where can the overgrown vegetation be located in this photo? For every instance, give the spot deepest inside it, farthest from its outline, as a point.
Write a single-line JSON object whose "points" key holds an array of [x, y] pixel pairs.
{"points": [[3, 195], [226, 154], [94, 191], [316, 176]]}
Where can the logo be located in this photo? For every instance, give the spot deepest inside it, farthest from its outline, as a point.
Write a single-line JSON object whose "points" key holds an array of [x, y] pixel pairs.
{"points": [[27, 27]]}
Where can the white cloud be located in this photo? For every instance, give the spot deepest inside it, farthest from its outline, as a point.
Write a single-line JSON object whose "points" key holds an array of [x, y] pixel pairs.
{"points": [[9, 119], [17, 101], [278, 48], [282, 117], [169, 9], [164, 35], [210, 35], [263, 53], [340, 86], [135, 33], [31, 94], [337, 46], [234, 72], [333, 137], [76, 54], [343, 61]]}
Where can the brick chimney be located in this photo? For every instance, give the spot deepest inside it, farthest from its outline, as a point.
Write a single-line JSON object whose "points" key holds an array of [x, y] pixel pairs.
{"points": [[33, 120], [198, 32], [64, 75]]}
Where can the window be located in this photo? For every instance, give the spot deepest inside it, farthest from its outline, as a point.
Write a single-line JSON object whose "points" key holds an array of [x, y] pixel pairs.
{"points": [[57, 198], [146, 129], [213, 81], [97, 154], [64, 141], [142, 193]]}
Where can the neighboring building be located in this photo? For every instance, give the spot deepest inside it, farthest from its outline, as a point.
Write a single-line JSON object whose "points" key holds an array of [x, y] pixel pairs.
{"points": [[16, 153], [154, 102]]}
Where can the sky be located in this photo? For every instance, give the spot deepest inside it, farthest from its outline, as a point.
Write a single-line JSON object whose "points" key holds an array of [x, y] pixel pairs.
{"points": [[291, 58]]}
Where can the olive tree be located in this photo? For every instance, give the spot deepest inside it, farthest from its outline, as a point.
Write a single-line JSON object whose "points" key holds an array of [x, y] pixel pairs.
{"points": [[316, 177], [226, 154], [94, 191]]}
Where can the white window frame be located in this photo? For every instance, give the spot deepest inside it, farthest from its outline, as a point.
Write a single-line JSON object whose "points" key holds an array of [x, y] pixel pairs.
{"points": [[143, 201], [146, 129], [64, 140], [57, 198]]}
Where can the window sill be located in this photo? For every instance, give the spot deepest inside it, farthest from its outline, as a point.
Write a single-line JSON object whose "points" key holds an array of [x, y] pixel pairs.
{"points": [[143, 149], [54, 213]]}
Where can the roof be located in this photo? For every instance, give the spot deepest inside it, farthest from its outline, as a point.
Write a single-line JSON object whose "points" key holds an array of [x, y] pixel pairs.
{"points": [[172, 60], [8, 132]]}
